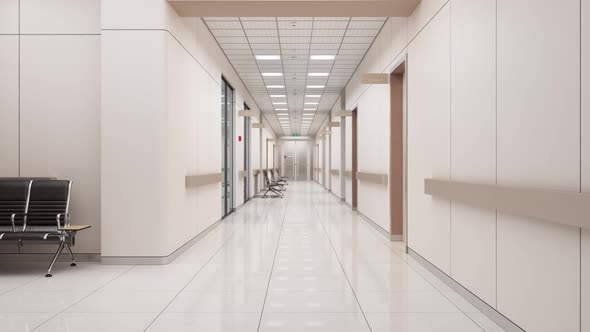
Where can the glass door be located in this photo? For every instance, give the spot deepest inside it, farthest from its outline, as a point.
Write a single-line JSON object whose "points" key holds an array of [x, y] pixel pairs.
{"points": [[227, 125], [247, 122]]}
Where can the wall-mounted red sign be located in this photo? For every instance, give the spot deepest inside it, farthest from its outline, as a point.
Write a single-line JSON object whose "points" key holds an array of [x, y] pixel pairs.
{"points": [[239, 138]]}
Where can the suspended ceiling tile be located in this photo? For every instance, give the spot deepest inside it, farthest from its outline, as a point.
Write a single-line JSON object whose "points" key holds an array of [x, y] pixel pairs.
{"points": [[362, 33], [259, 25], [330, 25], [231, 40], [296, 25], [365, 25], [235, 46], [355, 46], [358, 40], [221, 25], [227, 33], [295, 33]]}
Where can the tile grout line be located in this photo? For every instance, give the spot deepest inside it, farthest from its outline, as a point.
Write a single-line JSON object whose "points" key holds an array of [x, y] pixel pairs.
{"points": [[272, 267], [193, 277], [84, 297], [343, 271], [426, 279]]}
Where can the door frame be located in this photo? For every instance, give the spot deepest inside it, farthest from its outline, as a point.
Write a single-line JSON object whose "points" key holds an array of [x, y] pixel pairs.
{"points": [[354, 158], [398, 153], [228, 136], [247, 154]]}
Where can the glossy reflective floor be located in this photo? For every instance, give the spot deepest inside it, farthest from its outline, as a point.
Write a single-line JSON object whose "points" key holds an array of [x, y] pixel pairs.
{"points": [[302, 263]]}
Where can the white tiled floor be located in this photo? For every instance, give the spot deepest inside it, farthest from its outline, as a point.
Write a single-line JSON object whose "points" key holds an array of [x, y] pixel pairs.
{"points": [[302, 263]]}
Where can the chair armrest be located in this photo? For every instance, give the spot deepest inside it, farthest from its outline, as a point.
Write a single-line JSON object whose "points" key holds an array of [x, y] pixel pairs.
{"points": [[66, 217], [13, 220]]}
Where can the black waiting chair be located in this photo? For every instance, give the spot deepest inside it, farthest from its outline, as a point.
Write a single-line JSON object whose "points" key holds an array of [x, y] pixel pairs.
{"points": [[44, 218], [270, 185], [14, 198]]}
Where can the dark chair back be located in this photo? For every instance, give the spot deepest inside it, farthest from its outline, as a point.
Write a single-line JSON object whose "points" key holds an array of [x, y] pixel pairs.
{"points": [[48, 200], [14, 195]]}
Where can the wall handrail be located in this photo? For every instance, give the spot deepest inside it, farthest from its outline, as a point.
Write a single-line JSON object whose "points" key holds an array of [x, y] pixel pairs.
{"points": [[376, 178], [563, 207], [192, 181]]}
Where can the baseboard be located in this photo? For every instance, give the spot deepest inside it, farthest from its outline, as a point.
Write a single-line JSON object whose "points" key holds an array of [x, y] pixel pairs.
{"points": [[379, 228], [46, 258], [501, 320], [157, 260]]}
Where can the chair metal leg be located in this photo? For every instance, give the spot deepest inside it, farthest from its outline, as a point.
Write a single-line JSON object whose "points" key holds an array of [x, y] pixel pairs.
{"points": [[60, 248], [71, 254]]}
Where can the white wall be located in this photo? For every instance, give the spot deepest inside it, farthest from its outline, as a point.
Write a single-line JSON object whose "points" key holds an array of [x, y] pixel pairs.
{"points": [[335, 144], [50, 102], [9, 103], [473, 141], [545, 97], [509, 116], [585, 70], [171, 70]]}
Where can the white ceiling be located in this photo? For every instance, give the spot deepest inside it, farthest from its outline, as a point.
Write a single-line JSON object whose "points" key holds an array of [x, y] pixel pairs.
{"points": [[293, 41]]}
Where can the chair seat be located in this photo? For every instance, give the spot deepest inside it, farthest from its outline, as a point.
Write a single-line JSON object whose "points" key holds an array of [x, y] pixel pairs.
{"points": [[37, 236]]}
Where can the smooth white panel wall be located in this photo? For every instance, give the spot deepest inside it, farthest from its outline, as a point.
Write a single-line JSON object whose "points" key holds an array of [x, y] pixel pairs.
{"points": [[373, 131], [423, 13], [585, 70], [9, 16], [585, 305], [60, 16], [348, 162], [133, 87], [9, 109], [60, 121], [429, 139], [539, 146], [473, 141], [335, 156]]}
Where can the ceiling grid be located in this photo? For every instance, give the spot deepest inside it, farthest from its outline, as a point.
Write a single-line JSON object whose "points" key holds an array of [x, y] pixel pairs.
{"points": [[295, 67]]}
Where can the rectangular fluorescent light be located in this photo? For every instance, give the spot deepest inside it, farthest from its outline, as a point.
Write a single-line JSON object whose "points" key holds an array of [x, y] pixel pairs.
{"points": [[322, 57], [272, 74], [313, 96], [281, 109], [268, 57], [310, 103], [275, 86], [282, 114], [318, 74], [281, 103], [308, 114], [278, 96], [316, 86], [310, 109]]}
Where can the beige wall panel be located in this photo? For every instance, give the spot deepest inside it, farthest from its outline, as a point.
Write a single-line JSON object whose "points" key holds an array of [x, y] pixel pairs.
{"points": [[60, 121], [373, 131], [9, 124], [9, 16], [473, 141], [585, 159], [539, 278], [117, 14], [423, 13], [132, 151], [429, 139], [539, 146], [585, 309], [348, 161], [181, 211], [60, 16]]}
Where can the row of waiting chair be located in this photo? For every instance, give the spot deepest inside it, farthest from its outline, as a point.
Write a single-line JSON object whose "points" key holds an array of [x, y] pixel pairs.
{"points": [[274, 182], [38, 211]]}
